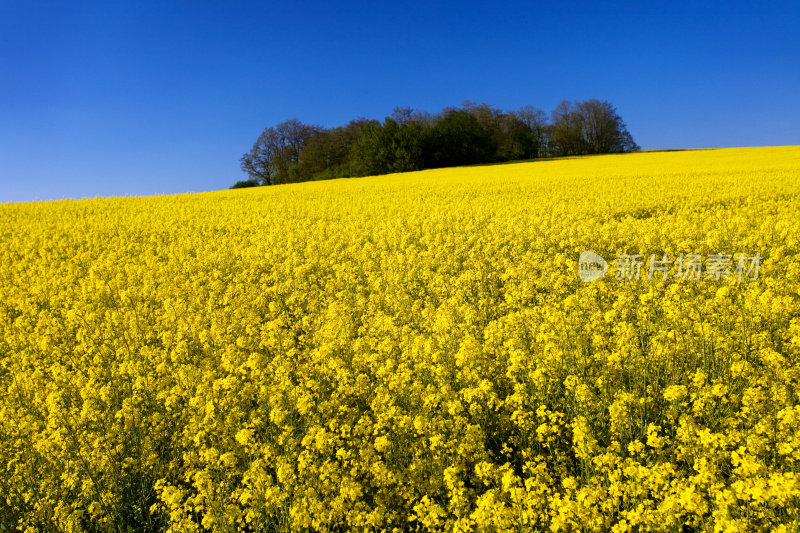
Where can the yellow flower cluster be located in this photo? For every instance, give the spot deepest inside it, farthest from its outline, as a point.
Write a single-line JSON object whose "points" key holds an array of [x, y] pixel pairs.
{"points": [[413, 352]]}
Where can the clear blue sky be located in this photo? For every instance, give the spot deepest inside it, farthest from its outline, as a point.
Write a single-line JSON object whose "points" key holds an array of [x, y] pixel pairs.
{"points": [[148, 97]]}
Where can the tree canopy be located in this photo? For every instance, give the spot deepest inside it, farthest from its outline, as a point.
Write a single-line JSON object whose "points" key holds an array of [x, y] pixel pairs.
{"points": [[414, 140]]}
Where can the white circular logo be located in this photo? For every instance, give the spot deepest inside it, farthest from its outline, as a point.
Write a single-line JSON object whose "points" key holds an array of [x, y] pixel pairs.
{"points": [[591, 266]]}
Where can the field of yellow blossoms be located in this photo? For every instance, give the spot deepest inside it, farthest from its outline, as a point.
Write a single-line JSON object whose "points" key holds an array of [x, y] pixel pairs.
{"points": [[413, 352]]}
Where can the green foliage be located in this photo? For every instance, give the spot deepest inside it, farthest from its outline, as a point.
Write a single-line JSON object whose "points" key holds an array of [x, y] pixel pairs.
{"points": [[413, 140], [460, 139], [390, 147], [590, 127], [242, 184]]}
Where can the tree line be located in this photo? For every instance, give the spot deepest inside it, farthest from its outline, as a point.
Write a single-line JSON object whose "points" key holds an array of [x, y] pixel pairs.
{"points": [[415, 140]]}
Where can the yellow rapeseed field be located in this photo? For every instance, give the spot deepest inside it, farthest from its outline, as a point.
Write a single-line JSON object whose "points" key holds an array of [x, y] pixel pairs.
{"points": [[413, 352]]}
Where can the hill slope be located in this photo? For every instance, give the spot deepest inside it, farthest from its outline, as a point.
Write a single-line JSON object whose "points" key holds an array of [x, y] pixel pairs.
{"points": [[411, 350]]}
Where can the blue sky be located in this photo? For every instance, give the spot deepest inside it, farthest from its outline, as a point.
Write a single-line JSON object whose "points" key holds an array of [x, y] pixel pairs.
{"points": [[114, 98]]}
